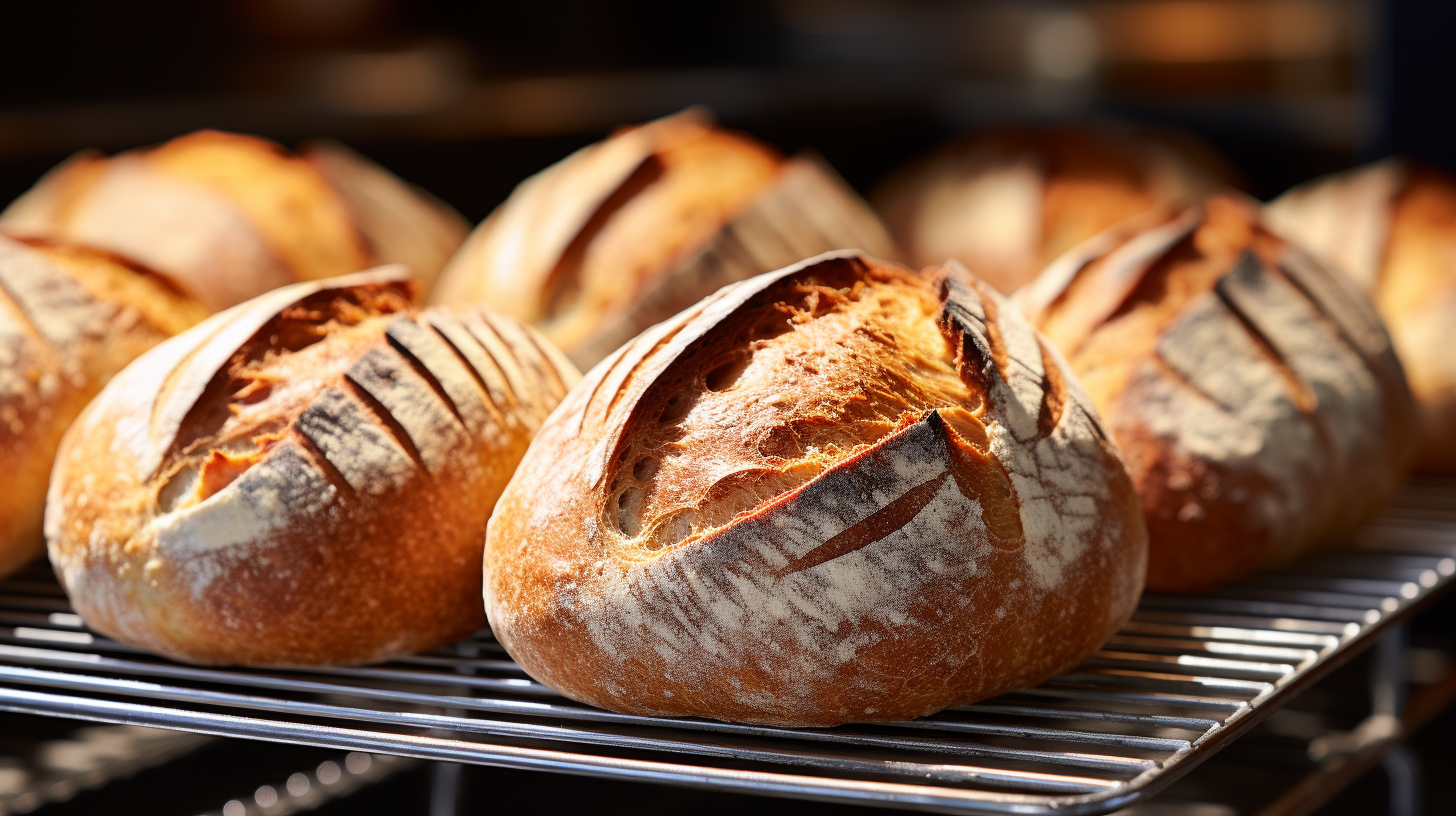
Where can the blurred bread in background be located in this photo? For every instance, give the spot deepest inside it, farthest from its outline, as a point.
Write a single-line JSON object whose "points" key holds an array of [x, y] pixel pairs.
{"points": [[1391, 227], [303, 479], [1255, 395], [70, 318], [228, 216], [1006, 202], [627, 232]]}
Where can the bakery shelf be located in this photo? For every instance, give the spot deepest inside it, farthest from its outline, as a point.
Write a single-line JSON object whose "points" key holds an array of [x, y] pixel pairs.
{"points": [[1186, 676]]}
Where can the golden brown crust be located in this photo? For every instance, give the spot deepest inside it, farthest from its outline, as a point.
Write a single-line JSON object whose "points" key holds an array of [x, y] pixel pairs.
{"points": [[229, 216], [837, 492], [1255, 394], [303, 479], [1391, 227], [70, 318], [627, 232], [1007, 202]]}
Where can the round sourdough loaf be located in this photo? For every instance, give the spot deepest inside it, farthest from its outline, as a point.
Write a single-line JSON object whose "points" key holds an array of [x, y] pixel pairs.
{"points": [[302, 479], [229, 217], [1006, 202], [628, 232], [1254, 393], [837, 492], [1391, 227], [70, 318]]}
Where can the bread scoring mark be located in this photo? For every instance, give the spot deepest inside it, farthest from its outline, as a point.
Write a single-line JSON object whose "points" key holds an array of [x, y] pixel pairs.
{"points": [[517, 389], [1350, 312], [395, 386], [546, 383], [315, 455], [443, 369], [372, 458], [199, 541], [1241, 290], [468, 361], [884, 521], [478, 359]]}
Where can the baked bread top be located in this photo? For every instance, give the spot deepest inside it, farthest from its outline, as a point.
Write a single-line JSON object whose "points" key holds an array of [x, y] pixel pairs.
{"points": [[228, 216], [1255, 394], [1391, 228], [70, 318], [1007, 202], [835, 492], [304, 478]]}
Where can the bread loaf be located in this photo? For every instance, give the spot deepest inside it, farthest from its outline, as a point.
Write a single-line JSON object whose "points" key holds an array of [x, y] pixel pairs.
{"points": [[229, 217], [1391, 227], [70, 318], [1258, 403], [302, 479], [836, 492], [1006, 202], [628, 232]]}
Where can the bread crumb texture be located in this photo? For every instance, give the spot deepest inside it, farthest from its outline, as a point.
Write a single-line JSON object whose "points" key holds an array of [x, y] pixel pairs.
{"points": [[837, 492], [302, 479], [1254, 393]]}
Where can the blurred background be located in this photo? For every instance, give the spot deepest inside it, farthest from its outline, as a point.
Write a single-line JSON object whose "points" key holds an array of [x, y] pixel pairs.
{"points": [[468, 99]]}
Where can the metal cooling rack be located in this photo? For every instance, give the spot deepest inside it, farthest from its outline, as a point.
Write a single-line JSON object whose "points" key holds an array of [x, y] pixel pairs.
{"points": [[1186, 676]]}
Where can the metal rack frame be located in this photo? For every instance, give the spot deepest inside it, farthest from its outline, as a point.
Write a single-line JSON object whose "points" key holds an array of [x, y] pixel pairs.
{"points": [[1186, 676]]}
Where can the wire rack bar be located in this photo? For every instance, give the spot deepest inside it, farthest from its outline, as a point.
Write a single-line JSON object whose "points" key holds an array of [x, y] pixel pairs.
{"points": [[1188, 674]]}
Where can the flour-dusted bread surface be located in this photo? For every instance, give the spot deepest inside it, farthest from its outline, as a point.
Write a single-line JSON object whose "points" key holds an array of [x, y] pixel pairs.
{"points": [[1254, 392], [837, 492], [627, 232], [70, 318], [1391, 227], [229, 217], [1006, 202], [302, 479]]}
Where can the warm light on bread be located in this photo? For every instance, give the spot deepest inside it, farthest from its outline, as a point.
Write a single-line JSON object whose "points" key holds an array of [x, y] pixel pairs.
{"points": [[1006, 202], [229, 217], [1391, 227], [303, 479], [1255, 395], [627, 232], [837, 492], [70, 318]]}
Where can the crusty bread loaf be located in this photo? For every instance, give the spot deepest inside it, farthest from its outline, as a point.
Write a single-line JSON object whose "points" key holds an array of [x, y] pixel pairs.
{"points": [[1255, 394], [837, 492], [229, 217], [1391, 227], [1006, 202], [302, 479], [626, 233], [70, 318]]}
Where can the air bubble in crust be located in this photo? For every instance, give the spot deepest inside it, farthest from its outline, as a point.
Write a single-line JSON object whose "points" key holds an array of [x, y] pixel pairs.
{"points": [[726, 375], [629, 511], [645, 468]]}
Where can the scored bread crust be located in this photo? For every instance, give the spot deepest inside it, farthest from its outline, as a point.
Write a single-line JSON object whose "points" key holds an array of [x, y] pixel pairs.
{"points": [[837, 492], [1255, 394], [70, 318], [1391, 228], [1008, 201], [625, 233], [302, 479], [229, 216]]}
